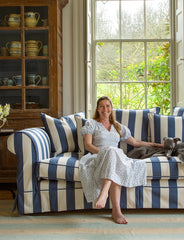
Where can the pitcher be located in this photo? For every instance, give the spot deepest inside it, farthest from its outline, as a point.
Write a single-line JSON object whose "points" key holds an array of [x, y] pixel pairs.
{"points": [[31, 19], [17, 80], [13, 20], [33, 79], [33, 47], [14, 48]]}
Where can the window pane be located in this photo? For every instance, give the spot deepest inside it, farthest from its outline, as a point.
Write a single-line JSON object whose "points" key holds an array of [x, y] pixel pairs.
{"points": [[132, 19], [157, 19], [159, 95], [108, 61], [133, 63], [133, 96], [110, 90], [107, 19], [132, 55], [158, 65]]}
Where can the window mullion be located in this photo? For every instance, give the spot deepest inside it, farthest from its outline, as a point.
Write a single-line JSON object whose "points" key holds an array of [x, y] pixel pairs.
{"points": [[145, 73]]}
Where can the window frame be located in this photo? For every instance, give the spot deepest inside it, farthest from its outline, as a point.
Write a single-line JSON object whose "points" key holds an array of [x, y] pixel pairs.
{"points": [[171, 40]]}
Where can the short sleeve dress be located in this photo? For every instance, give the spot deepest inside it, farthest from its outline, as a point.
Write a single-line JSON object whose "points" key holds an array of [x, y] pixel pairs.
{"points": [[110, 162]]}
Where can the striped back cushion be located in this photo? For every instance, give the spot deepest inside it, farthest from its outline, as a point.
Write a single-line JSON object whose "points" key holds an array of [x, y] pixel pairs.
{"points": [[138, 123], [80, 123], [166, 126], [62, 132], [178, 111]]}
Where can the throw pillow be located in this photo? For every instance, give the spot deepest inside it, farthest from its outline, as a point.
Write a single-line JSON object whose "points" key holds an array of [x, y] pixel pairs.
{"points": [[80, 123], [178, 111], [62, 132], [166, 126], [138, 123]]}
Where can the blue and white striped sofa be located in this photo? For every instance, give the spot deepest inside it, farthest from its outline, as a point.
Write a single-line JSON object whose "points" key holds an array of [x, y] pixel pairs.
{"points": [[48, 159]]}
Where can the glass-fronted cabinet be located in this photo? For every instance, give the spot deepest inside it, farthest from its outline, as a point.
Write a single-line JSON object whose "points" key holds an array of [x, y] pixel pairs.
{"points": [[31, 67], [24, 63], [30, 61]]}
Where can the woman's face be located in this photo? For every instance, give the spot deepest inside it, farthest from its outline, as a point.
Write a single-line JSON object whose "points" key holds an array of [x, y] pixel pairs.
{"points": [[104, 109]]}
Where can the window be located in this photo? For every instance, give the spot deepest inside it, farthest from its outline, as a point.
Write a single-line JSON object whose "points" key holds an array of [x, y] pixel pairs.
{"points": [[132, 49]]}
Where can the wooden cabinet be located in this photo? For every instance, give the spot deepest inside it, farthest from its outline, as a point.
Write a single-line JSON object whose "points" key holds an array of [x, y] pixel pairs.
{"points": [[8, 162], [31, 64]]}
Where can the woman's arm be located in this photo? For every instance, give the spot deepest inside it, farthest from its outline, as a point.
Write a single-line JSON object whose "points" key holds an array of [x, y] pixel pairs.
{"points": [[88, 144], [138, 143]]}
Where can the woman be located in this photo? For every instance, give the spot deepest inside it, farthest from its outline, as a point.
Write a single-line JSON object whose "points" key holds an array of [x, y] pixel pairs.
{"points": [[106, 168]]}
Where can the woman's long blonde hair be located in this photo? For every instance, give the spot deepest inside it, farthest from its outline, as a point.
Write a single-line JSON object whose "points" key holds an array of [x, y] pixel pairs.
{"points": [[112, 120]]}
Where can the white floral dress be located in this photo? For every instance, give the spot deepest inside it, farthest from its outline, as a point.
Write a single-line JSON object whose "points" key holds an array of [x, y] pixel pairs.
{"points": [[110, 162]]}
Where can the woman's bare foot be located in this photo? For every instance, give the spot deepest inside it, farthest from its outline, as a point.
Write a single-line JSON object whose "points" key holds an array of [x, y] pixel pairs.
{"points": [[101, 201], [118, 217]]}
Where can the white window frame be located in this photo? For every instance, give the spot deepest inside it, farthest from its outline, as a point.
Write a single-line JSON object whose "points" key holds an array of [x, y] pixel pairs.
{"points": [[93, 83]]}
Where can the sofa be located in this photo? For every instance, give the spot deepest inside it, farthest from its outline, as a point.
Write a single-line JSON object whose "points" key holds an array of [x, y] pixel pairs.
{"points": [[48, 163]]}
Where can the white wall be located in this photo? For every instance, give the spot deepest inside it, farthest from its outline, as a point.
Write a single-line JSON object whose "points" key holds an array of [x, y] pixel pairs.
{"points": [[67, 60], [73, 57]]}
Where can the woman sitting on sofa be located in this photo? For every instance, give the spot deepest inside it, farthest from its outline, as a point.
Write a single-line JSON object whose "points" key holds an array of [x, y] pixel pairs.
{"points": [[106, 168]]}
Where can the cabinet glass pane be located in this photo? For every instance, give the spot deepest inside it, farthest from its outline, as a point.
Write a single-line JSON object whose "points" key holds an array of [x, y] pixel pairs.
{"points": [[37, 98], [13, 97], [37, 72], [10, 69], [10, 43]]}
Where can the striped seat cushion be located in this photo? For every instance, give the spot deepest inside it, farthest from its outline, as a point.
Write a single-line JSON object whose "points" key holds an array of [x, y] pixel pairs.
{"points": [[166, 126], [162, 168], [63, 167], [62, 132], [66, 167]]}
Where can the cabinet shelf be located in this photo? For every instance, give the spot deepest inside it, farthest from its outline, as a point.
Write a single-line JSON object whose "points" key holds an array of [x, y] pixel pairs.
{"points": [[9, 28], [36, 28]]}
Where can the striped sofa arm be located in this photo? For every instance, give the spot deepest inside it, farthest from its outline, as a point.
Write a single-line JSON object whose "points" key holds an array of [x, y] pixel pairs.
{"points": [[30, 145], [37, 138]]}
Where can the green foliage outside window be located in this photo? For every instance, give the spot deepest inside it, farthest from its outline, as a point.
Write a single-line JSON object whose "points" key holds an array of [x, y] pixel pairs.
{"points": [[137, 82]]}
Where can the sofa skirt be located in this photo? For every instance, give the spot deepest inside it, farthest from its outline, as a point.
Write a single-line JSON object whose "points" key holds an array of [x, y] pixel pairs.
{"points": [[58, 196]]}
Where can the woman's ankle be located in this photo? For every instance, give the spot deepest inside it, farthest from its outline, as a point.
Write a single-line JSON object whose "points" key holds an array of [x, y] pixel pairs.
{"points": [[101, 200]]}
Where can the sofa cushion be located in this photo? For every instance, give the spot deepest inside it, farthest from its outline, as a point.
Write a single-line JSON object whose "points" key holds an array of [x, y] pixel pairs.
{"points": [[138, 123], [162, 168], [63, 167], [80, 123], [62, 132], [178, 111], [166, 126], [66, 167]]}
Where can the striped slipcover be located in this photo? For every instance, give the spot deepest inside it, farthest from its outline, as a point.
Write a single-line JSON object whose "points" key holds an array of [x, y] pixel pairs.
{"points": [[49, 183]]}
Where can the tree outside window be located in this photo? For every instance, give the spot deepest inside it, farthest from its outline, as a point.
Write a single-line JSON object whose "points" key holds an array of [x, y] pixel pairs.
{"points": [[132, 52]]}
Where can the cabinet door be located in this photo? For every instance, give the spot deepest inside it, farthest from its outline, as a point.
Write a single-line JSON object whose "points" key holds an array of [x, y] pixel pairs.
{"points": [[24, 59]]}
